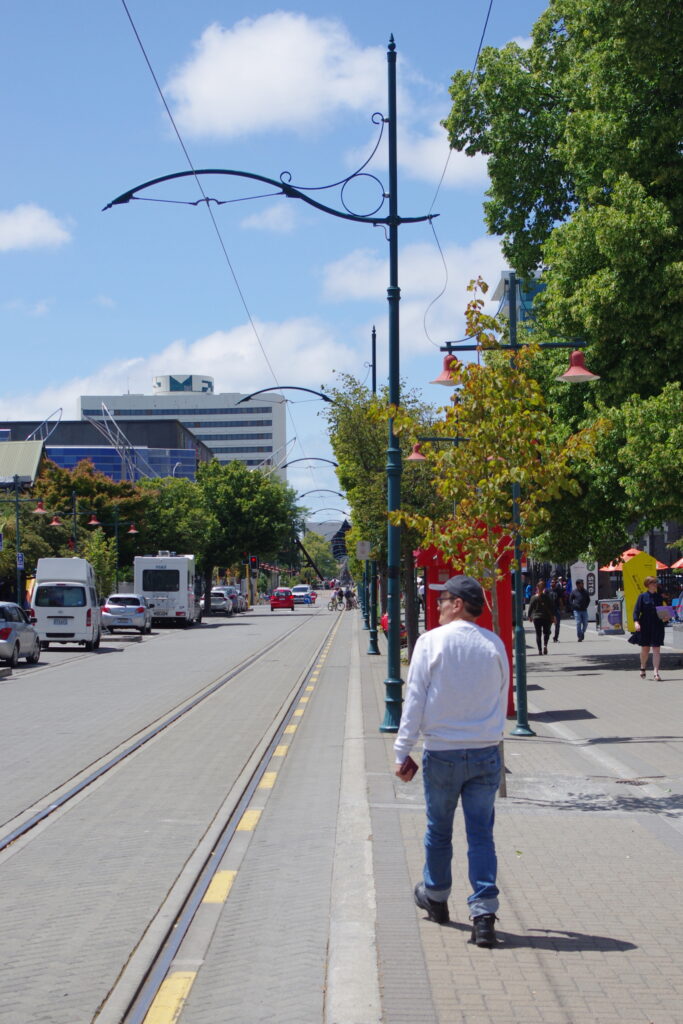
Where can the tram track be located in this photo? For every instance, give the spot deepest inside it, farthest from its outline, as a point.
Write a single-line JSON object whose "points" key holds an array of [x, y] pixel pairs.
{"points": [[141, 979], [59, 798]]}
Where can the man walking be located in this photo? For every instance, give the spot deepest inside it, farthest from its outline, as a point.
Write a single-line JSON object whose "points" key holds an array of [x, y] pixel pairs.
{"points": [[456, 697], [579, 599]]}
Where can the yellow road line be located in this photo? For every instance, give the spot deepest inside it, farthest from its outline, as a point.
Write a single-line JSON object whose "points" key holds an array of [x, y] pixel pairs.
{"points": [[221, 884], [298, 713], [303, 700], [169, 1000], [309, 688], [249, 820], [281, 751], [290, 728], [268, 780]]}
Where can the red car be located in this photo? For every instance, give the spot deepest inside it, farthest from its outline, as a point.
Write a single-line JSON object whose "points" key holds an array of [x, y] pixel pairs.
{"points": [[282, 598]]}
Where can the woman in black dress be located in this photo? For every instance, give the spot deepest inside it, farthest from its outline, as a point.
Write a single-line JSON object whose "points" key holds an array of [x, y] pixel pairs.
{"points": [[649, 626]]}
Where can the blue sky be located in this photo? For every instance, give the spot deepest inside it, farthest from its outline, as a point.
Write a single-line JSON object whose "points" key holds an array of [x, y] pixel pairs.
{"points": [[98, 302]]}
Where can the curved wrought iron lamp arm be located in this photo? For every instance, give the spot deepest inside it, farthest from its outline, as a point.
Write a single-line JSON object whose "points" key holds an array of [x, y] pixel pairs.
{"points": [[330, 508], [309, 458], [287, 387], [319, 490], [283, 187]]}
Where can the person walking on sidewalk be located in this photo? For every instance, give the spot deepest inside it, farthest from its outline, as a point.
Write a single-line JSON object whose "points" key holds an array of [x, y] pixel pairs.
{"points": [[579, 599], [649, 626], [456, 697], [542, 614], [557, 590]]}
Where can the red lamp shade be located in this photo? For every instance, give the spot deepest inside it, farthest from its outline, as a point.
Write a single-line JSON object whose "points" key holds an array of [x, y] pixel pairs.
{"points": [[578, 372], [40, 509], [416, 454], [445, 377], [132, 529], [93, 521], [56, 521]]}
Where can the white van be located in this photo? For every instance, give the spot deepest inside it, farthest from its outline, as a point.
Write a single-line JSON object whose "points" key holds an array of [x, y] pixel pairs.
{"points": [[167, 581], [64, 607]]}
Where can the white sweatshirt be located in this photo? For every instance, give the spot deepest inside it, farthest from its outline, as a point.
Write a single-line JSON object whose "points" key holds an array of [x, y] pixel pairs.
{"points": [[456, 694]]}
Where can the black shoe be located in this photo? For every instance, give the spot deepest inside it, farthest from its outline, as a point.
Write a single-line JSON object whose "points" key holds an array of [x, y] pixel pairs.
{"points": [[483, 931], [545, 650], [437, 910]]}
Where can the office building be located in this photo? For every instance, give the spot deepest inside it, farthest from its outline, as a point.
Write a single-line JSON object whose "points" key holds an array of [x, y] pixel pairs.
{"points": [[253, 433]]}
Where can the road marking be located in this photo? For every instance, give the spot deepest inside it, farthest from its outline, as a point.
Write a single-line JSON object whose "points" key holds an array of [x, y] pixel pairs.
{"points": [[298, 713], [290, 728], [169, 1000], [268, 780], [281, 751], [249, 820], [221, 884], [309, 688], [303, 700]]}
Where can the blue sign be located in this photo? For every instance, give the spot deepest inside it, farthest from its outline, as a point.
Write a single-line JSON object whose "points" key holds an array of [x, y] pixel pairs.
{"points": [[20, 560]]}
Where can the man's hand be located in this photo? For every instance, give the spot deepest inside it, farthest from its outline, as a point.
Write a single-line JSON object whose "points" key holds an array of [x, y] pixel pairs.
{"points": [[406, 770]]}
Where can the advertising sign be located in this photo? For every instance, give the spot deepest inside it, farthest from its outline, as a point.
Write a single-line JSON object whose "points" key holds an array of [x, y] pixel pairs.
{"points": [[634, 572], [588, 572], [363, 548], [610, 616]]}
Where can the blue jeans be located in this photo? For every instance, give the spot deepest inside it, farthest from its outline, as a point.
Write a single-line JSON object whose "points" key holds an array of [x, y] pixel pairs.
{"points": [[472, 776], [581, 620]]}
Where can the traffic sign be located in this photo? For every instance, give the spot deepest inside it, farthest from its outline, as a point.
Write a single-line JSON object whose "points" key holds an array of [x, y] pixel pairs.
{"points": [[20, 560]]}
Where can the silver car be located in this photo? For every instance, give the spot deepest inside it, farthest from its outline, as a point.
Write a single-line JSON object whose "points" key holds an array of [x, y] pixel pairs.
{"points": [[220, 602], [18, 638], [127, 611]]}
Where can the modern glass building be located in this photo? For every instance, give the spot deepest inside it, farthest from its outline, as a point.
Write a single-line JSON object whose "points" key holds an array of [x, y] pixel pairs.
{"points": [[164, 448], [253, 433]]}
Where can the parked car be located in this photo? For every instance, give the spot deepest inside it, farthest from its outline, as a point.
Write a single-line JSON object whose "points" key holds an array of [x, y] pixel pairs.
{"points": [[221, 603], [302, 594], [18, 638], [127, 611], [282, 598], [239, 602]]}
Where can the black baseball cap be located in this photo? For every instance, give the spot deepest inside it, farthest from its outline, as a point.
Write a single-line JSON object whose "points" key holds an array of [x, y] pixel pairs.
{"points": [[465, 587]]}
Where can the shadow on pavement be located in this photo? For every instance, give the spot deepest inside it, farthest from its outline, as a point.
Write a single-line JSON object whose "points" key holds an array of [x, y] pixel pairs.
{"points": [[667, 806], [568, 715], [557, 941]]}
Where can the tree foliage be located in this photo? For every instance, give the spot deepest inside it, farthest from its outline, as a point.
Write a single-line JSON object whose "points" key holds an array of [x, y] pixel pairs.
{"points": [[582, 132]]}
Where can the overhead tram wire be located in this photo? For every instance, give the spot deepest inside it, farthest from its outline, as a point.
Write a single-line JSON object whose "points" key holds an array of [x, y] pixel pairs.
{"points": [[206, 203], [441, 181]]}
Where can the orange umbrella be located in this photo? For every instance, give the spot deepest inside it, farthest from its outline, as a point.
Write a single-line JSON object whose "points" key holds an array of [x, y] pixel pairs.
{"points": [[626, 556], [678, 564]]}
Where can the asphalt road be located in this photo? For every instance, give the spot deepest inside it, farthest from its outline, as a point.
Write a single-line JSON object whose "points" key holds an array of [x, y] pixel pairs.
{"points": [[79, 891]]}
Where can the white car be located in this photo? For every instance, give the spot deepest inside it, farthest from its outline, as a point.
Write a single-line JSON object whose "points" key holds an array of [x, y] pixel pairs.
{"points": [[221, 604], [18, 638], [302, 594], [127, 611]]}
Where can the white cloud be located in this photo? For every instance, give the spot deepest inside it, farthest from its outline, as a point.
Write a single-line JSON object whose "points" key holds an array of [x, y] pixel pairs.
{"points": [[104, 300], [363, 275], [280, 71], [279, 218], [424, 157], [523, 41], [302, 352], [28, 226]]}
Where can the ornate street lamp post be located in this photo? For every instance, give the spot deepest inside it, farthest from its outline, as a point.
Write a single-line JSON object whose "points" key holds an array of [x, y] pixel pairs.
{"points": [[391, 223]]}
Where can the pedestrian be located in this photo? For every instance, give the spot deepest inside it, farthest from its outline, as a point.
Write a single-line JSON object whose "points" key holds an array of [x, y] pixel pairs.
{"points": [[456, 697], [579, 599], [649, 626], [542, 614], [557, 591]]}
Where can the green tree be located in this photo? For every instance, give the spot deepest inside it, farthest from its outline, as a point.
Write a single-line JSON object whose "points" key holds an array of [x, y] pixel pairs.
{"points": [[508, 438], [582, 136], [358, 435], [100, 551], [253, 512], [320, 551], [177, 518]]}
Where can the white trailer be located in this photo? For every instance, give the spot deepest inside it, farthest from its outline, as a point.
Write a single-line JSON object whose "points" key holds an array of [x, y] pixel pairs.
{"points": [[168, 583]]}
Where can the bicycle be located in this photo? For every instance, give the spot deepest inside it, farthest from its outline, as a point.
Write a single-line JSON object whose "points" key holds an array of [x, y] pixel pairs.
{"points": [[333, 605]]}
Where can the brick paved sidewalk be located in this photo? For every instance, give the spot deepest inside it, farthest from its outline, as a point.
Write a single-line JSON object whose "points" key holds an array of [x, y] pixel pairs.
{"points": [[590, 847]]}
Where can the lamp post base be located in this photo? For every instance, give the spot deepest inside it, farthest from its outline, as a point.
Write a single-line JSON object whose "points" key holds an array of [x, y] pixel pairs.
{"points": [[522, 730], [373, 647], [392, 706]]}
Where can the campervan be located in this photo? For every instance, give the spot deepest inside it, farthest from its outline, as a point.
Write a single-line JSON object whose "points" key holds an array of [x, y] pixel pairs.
{"points": [[168, 583], [64, 606]]}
